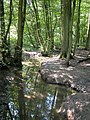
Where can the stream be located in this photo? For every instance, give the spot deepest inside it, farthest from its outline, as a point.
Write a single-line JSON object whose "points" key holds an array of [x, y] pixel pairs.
{"points": [[25, 96]]}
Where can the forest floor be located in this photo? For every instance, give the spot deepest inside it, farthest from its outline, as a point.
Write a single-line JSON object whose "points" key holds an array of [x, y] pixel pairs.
{"points": [[77, 76]]}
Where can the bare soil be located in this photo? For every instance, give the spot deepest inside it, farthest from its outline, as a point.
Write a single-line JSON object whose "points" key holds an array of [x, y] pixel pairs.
{"points": [[76, 76]]}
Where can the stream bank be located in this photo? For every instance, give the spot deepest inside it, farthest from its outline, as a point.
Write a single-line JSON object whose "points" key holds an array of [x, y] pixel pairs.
{"points": [[77, 77]]}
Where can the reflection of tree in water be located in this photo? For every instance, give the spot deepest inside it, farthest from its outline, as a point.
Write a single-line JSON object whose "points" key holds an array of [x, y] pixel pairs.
{"points": [[5, 112], [21, 101], [12, 104]]}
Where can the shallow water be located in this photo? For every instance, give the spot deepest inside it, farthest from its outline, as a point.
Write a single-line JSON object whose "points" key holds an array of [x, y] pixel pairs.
{"points": [[30, 98]]}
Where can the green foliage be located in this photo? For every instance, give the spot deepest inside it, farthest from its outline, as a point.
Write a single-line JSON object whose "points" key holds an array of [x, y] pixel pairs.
{"points": [[49, 30]]}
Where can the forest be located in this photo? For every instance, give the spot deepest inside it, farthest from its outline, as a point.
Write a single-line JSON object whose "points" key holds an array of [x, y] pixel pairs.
{"points": [[54, 37], [43, 25]]}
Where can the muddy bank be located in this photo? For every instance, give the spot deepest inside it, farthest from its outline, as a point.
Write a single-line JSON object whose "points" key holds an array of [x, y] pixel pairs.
{"points": [[76, 76]]}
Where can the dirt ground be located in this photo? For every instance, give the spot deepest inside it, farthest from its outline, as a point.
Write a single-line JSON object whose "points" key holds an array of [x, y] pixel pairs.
{"points": [[76, 76]]}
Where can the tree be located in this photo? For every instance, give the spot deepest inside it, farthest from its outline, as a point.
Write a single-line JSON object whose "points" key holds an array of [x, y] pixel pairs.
{"points": [[49, 25], [77, 27], [4, 33], [2, 30], [67, 12], [21, 98], [72, 10], [88, 34], [37, 26], [44, 26], [66, 27], [21, 21], [43, 21]]}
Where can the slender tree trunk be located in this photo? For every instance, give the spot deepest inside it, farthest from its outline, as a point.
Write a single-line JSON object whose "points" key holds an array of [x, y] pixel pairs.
{"points": [[77, 28], [37, 28], [49, 27], [21, 21], [71, 9], [21, 99], [5, 48], [70, 32], [52, 33], [88, 35], [10, 20], [2, 29], [7, 34], [47, 24]]}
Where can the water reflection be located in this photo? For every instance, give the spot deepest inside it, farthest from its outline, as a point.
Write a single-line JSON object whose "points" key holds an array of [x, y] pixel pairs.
{"points": [[5, 112], [20, 85], [32, 99]]}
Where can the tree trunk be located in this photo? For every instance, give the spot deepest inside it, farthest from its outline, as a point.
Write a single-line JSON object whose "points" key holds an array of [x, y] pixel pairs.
{"points": [[2, 30], [21, 21], [21, 98], [5, 45], [7, 34], [77, 28], [71, 9], [88, 35], [49, 26], [67, 12], [65, 27], [37, 27]]}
